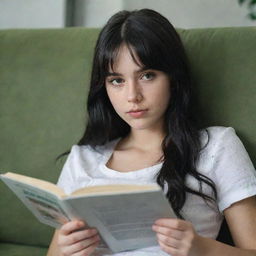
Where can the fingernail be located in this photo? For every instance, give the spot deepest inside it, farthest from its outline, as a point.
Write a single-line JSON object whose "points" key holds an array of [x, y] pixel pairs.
{"points": [[81, 223]]}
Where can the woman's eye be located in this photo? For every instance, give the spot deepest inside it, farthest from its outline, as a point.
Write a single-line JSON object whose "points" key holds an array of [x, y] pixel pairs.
{"points": [[148, 76], [116, 81]]}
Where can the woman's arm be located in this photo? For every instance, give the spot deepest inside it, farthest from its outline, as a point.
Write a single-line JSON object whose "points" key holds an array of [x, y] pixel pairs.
{"points": [[53, 248], [179, 238], [241, 219]]}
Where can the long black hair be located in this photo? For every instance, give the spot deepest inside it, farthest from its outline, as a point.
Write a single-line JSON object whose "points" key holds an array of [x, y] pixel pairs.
{"points": [[158, 46]]}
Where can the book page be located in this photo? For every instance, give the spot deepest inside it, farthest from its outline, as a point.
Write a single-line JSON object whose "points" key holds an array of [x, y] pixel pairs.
{"points": [[124, 221], [114, 189], [42, 184], [46, 206]]}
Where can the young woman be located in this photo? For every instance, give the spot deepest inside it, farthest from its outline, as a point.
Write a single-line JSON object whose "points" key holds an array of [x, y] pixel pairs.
{"points": [[141, 130]]}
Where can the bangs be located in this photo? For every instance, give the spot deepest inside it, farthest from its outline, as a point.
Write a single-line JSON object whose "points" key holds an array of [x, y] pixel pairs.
{"points": [[147, 48], [143, 53], [111, 55]]}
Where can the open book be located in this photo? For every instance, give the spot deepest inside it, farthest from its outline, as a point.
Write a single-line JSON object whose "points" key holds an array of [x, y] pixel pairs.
{"points": [[123, 214]]}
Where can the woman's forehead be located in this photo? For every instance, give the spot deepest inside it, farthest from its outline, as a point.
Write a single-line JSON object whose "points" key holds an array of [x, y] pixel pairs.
{"points": [[120, 52]]}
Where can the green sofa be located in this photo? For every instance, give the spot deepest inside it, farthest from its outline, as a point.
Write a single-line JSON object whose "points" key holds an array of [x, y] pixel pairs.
{"points": [[43, 86]]}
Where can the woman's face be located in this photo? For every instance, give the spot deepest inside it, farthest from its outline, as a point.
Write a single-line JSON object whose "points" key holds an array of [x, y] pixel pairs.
{"points": [[140, 97]]}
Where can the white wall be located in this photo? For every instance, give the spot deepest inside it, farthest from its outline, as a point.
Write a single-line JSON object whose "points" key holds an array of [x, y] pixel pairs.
{"points": [[95, 13], [32, 13], [197, 13], [182, 13]]}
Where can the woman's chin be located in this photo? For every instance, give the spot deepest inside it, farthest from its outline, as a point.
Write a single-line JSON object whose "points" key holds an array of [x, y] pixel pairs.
{"points": [[139, 126]]}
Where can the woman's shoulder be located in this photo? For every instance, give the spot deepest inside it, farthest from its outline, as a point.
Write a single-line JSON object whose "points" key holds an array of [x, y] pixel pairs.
{"points": [[215, 135], [217, 131], [222, 150], [217, 143], [226, 162]]}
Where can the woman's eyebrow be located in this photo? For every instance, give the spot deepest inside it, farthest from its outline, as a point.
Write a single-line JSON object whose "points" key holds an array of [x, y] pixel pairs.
{"points": [[119, 74], [113, 74], [141, 69]]}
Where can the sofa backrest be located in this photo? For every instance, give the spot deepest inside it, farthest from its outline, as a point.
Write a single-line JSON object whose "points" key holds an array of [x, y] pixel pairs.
{"points": [[44, 76], [223, 62], [43, 84]]}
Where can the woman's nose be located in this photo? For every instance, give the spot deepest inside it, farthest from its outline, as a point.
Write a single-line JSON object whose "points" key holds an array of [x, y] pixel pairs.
{"points": [[134, 92]]}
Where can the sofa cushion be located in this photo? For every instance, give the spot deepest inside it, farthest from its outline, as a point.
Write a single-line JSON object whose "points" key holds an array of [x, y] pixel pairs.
{"points": [[43, 86], [223, 62], [21, 250]]}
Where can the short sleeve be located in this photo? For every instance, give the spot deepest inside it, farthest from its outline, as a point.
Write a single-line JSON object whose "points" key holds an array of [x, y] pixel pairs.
{"points": [[233, 171]]}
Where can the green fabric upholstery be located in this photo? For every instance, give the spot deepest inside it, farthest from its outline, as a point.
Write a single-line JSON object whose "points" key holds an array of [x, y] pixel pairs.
{"points": [[223, 65], [44, 77], [19, 250]]}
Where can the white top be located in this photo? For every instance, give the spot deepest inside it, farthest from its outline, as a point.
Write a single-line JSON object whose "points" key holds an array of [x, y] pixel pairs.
{"points": [[223, 159]]}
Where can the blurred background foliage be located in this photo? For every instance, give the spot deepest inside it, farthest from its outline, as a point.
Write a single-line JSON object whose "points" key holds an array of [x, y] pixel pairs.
{"points": [[251, 7]]}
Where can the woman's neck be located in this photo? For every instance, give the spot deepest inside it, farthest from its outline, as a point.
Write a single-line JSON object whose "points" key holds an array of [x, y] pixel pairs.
{"points": [[145, 140]]}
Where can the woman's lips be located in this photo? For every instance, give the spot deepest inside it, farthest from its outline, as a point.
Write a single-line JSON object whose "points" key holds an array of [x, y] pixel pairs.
{"points": [[137, 113]]}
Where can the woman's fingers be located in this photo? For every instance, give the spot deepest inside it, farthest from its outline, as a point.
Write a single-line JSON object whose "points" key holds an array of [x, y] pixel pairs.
{"points": [[169, 250], [172, 223], [82, 246], [75, 239], [88, 250], [71, 226], [80, 235], [169, 241], [177, 234]]}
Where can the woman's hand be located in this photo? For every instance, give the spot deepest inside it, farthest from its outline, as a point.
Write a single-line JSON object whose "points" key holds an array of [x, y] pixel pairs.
{"points": [[76, 239], [176, 237]]}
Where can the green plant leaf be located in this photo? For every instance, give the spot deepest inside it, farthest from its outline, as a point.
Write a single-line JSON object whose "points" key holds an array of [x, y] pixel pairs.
{"points": [[241, 1], [252, 16], [252, 2]]}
